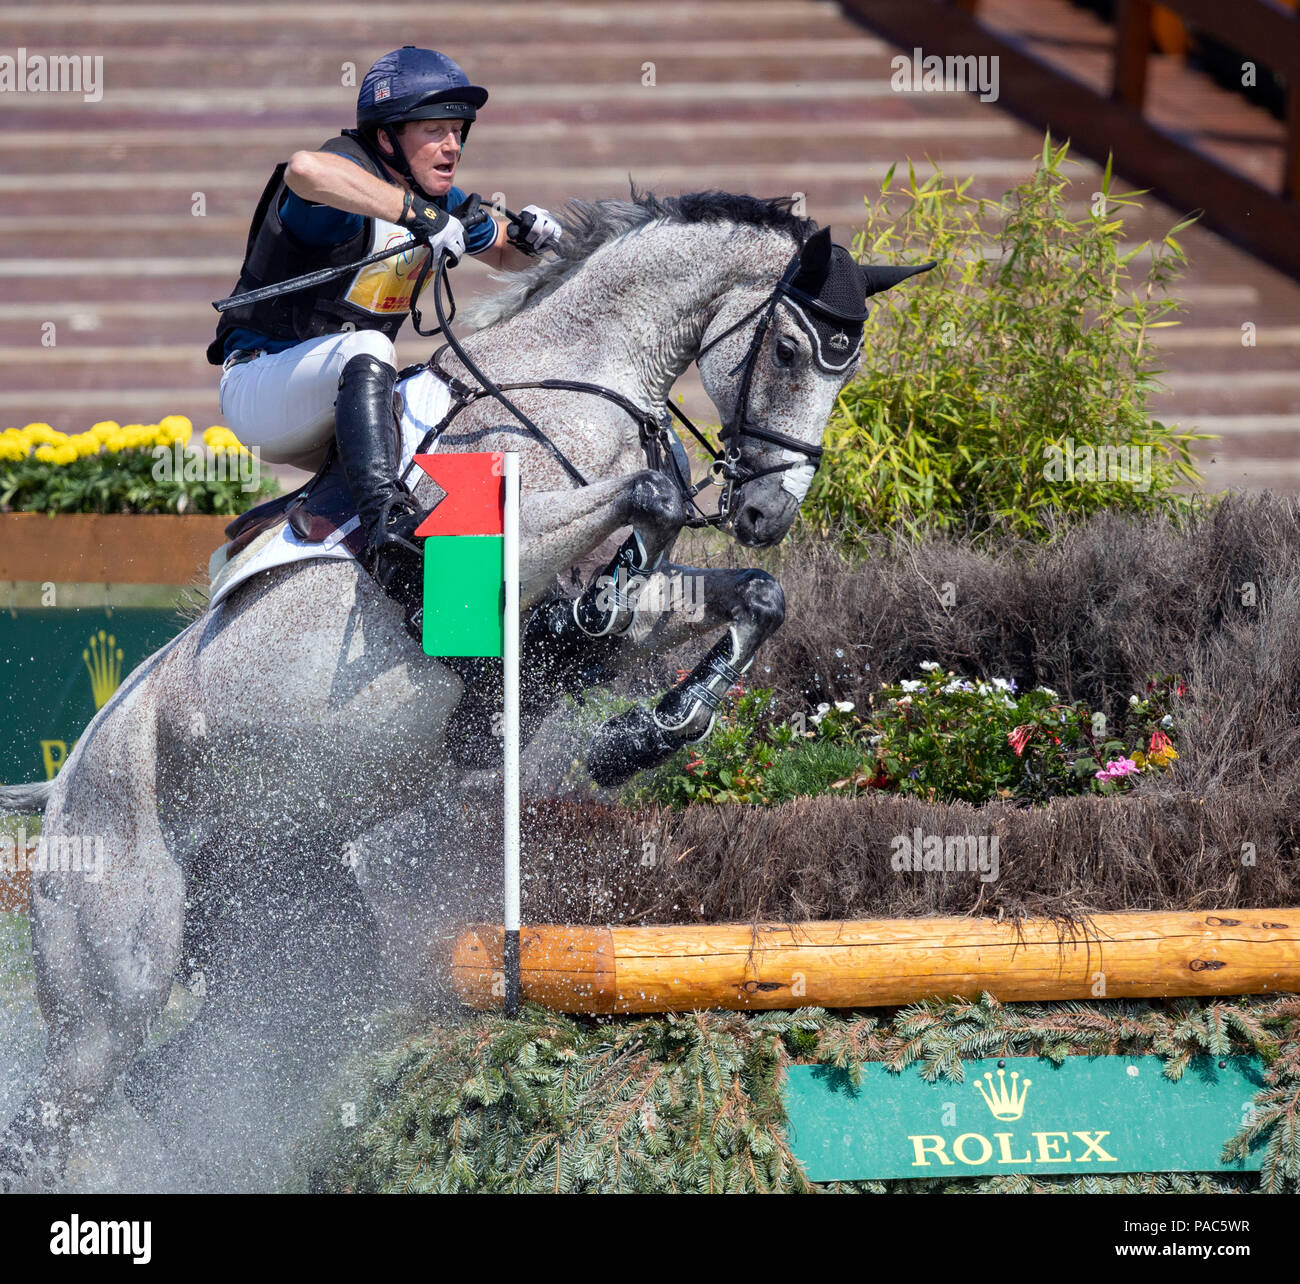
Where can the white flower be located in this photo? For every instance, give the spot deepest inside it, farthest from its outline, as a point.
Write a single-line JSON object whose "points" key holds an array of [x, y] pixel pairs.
{"points": [[875, 740], [910, 684], [1132, 699], [929, 666], [1167, 720], [844, 706], [1002, 684], [1046, 691]]}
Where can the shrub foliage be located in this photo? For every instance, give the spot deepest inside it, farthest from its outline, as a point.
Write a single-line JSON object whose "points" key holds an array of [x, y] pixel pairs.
{"points": [[692, 1103], [977, 371]]}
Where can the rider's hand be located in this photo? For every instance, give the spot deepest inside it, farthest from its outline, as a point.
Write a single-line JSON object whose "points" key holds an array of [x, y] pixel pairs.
{"points": [[537, 230], [437, 229]]}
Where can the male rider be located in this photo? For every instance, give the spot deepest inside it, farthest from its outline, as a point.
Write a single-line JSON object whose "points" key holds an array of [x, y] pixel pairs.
{"points": [[294, 364]]}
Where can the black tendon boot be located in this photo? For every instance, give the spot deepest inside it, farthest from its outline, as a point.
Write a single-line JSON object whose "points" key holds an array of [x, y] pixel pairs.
{"points": [[367, 432]]}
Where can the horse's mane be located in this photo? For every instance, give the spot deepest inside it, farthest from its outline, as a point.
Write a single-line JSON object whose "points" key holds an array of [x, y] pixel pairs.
{"points": [[590, 224]]}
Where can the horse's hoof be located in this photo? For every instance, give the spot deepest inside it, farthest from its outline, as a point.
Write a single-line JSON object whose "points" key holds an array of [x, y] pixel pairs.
{"points": [[626, 744]]}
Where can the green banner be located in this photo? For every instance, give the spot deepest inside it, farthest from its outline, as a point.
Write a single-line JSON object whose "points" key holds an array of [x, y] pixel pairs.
{"points": [[57, 667], [1088, 1115]]}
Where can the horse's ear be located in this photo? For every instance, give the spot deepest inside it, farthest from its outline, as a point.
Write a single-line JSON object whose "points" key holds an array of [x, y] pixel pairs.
{"points": [[878, 277], [814, 262]]}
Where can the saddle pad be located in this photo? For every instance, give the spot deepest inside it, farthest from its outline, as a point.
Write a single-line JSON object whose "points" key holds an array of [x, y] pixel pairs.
{"points": [[425, 400]]}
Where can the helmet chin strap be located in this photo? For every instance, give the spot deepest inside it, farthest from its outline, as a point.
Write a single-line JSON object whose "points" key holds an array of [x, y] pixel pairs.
{"points": [[399, 162]]}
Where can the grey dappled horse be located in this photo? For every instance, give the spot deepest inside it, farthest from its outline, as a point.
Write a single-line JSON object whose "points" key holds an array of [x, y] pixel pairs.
{"points": [[297, 717]]}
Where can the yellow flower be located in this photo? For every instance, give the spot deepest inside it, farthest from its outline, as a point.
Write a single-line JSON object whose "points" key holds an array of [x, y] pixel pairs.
{"points": [[84, 443], [137, 435], [42, 434], [103, 430], [14, 444], [218, 439], [174, 428], [115, 441]]}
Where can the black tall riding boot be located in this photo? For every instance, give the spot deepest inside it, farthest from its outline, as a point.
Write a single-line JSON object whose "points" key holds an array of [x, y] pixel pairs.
{"points": [[367, 432]]}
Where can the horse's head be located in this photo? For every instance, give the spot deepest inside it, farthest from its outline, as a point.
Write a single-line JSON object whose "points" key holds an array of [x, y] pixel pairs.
{"points": [[774, 368]]}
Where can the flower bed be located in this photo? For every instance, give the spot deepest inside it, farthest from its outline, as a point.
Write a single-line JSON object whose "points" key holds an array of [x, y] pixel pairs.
{"points": [[939, 737], [136, 468]]}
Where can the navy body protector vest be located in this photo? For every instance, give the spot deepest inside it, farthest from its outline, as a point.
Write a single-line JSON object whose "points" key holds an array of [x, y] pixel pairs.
{"points": [[377, 297]]}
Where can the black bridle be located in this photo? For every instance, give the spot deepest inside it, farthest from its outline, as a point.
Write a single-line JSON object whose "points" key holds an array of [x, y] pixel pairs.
{"points": [[728, 468]]}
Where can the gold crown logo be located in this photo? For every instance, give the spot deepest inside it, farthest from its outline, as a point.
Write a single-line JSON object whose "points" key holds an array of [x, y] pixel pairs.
{"points": [[104, 663], [1004, 1102]]}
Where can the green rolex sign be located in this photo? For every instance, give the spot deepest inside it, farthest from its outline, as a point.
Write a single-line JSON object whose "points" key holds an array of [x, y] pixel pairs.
{"points": [[1088, 1115], [58, 667]]}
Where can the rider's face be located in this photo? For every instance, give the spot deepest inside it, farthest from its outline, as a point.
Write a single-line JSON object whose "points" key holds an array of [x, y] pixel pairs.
{"points": [[432, 150]]}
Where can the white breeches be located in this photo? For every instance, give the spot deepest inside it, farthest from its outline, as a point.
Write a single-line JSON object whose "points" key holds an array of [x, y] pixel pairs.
{"points": [[283, 402]]}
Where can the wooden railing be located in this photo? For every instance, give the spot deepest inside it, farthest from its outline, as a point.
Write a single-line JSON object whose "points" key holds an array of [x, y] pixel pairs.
{"points": [[1264, 31], [1260, 31]]}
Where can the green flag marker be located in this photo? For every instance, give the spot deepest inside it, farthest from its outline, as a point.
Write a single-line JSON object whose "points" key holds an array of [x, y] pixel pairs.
{"points": [[463, 594]]}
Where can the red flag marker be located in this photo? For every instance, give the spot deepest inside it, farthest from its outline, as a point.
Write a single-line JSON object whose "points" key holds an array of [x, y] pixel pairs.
{"points": [[475, 500]]}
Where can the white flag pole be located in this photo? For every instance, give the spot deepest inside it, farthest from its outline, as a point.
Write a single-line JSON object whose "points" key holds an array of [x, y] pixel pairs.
{"points": [[510, 727]]}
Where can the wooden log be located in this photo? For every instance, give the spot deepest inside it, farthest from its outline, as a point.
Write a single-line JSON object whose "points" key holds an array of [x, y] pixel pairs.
{"points": [[885, 962]]}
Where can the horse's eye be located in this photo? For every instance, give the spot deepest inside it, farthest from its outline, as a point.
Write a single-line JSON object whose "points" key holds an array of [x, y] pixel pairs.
{"points": [[786, 351]]}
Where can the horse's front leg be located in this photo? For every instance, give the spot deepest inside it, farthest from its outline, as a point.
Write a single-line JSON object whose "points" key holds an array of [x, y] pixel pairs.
{"points": [[560, 649], [675, 602], [567, 639], [559, 528]]}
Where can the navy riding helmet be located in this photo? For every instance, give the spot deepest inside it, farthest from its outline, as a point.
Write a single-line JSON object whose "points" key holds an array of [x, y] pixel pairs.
{"points": [[416, 84]]}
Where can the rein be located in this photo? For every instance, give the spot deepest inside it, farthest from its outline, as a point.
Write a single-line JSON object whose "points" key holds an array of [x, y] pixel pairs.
{"points": [[727, 469]]}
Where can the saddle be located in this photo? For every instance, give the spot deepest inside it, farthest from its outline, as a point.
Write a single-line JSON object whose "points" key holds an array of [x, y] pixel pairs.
{"points": [[314, 512]]}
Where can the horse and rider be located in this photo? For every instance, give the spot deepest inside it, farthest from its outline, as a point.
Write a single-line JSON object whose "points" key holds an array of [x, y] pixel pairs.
{"points": [[302, 365], [291, 726]]}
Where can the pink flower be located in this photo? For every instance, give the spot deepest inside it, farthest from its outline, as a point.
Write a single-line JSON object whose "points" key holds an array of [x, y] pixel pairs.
{"points": [[1019, 738], [1117, 769]]}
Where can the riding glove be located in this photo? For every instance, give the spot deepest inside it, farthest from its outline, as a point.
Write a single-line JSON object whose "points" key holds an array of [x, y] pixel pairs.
{"points": [[438, 229], [536, 230]]}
